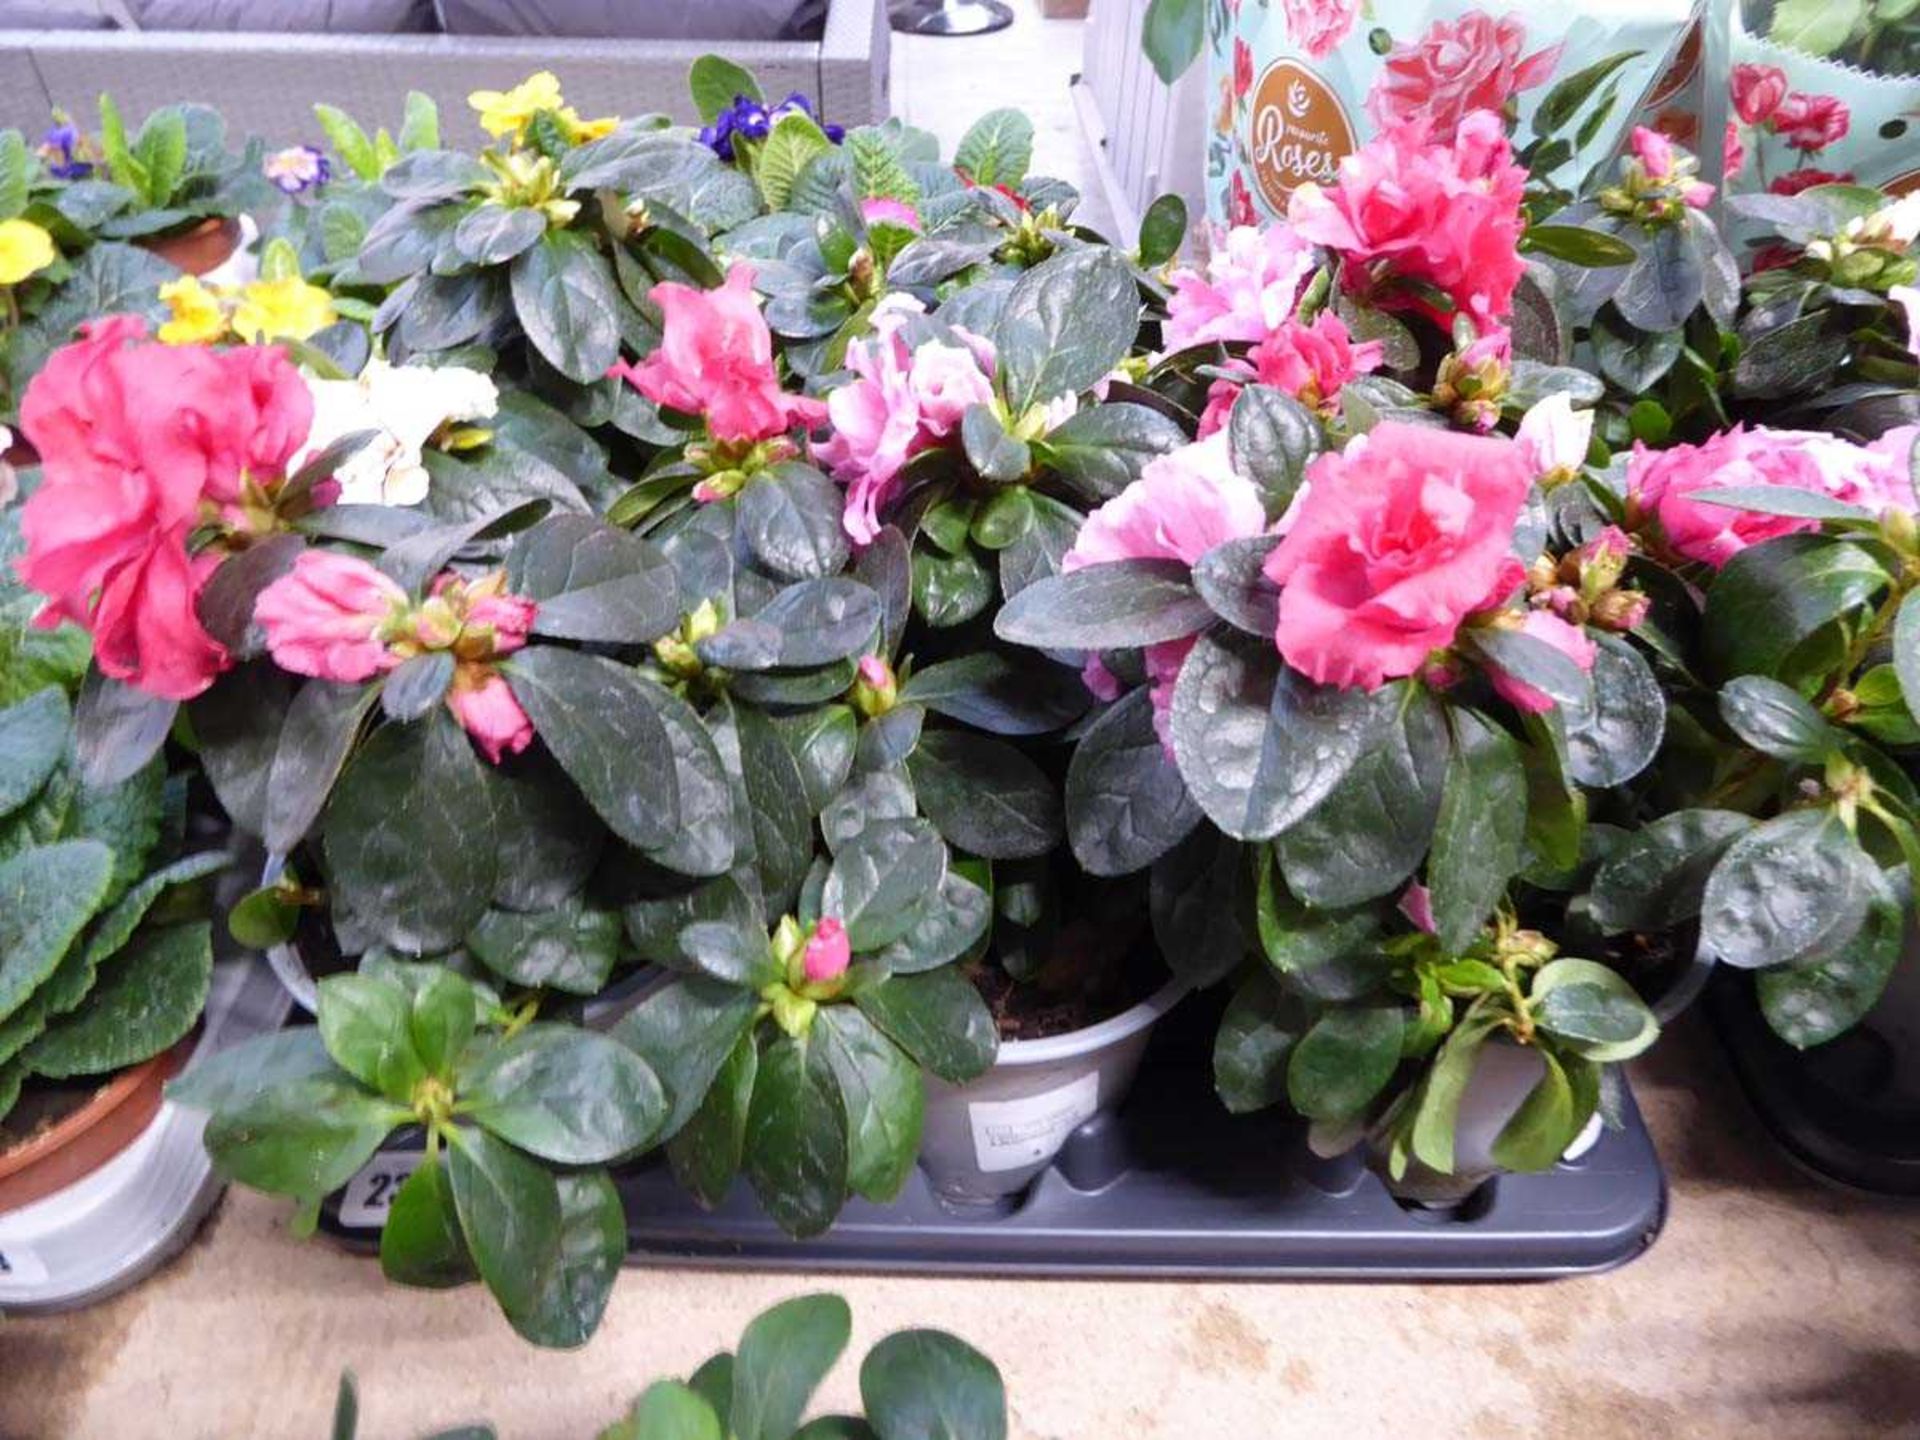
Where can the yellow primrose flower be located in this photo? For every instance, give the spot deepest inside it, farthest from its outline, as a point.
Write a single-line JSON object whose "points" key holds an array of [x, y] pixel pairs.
{"points": [[198, 316], [288, 309], [25, 249], [580, 131], [507, 113]]}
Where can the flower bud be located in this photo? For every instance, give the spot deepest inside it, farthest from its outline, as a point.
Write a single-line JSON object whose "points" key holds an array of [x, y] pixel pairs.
{"points": [[827, 952], [875, 690], [1602, 561], [1897, 525], [1619, 610]]}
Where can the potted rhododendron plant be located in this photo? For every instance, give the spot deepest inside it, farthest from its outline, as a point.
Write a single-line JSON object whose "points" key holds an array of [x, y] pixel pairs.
{"points": [[768, 646]]}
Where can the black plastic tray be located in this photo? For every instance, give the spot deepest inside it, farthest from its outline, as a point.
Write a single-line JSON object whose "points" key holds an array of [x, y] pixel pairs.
{"points": [[1833, 1109], [1172, 1185]]}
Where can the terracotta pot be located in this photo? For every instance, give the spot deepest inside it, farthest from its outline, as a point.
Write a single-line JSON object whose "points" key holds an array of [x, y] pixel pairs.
{"points": [[83, 1141], [207, 246]]}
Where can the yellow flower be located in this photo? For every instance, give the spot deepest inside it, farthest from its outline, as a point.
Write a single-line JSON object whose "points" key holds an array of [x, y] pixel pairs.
{"points": [[507, 113], [288, 309], [24, 250], [198, 316], [580, 131]]}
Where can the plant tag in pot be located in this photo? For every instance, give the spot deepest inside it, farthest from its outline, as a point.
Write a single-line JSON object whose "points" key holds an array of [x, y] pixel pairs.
{"points": [[1012, 1134]]}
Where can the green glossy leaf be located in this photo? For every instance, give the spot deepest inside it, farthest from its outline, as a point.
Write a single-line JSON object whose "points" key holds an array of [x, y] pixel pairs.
{"points": [[421, 1243], [796, 1150], [885, 1099], [715, 82], [1656, 878], [1786, 890], [572, 947], [1817, 1000], [1344, 1061], [1126, 804], [790, 517], [396, 836], [1173, 34], [880, 880], [705, 1152], [564, 294], [685, 1031], [1777, 720], [1273, 437], [366, 1024], [928, 1385], [592, 1248], [938, 1018], [572, 1096], [1257, 1034], [304, 1136], [997, 148], [1065, 325], [1479, 835], [1770, 597], [509, 1211], [985, 796], [784, 1355]]}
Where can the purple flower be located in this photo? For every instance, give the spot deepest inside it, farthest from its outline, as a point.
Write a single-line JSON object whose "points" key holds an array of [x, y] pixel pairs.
{"points": [[63, 150], [298, 169], [750, 119]]}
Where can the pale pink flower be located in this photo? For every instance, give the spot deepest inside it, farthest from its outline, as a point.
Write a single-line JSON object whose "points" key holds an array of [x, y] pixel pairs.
{"points": [[1555, 437], [1398, 539], [881, 208], [1251, 284], [1309, 362], [1318, 26], [1183, 505]]}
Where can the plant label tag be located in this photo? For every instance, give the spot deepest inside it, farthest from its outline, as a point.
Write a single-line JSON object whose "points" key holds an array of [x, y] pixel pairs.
{"points": [[20, 1266], [1012, 1134], [369, 1195]]}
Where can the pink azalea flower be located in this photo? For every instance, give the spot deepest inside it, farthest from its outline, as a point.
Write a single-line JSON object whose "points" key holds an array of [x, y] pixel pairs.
{"points": [[1662, 483], [1733, 154], [143, 443], [1570, 640], [901, 402], [1309, 362], [828, 952], [1447, 216], [716, 359], [1398, 538], [1416, 903], [1251, 284], [485, 706], [1183, 505], [1456, 67], [1662, 164], [328, 615]]}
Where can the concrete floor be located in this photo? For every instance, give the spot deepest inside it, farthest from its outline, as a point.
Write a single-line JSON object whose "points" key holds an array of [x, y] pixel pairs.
{"points": [[945, 84], [1770, 1307]]}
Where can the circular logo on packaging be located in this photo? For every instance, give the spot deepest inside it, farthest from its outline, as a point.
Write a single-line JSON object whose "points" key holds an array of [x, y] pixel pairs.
{"points": [[1297, 132]]}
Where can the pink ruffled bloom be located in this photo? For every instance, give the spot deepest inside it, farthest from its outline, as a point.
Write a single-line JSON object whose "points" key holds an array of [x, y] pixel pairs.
{"points": [[1570, 640], [1317, 26], [1183, 505], [1250, 286], [1811, 122], [1309, 362], [828, 953], [1458, 66], [902, 402], [1757, 91], [485, 707], [716, 359], [1662, 483], [327, 617], [142, 443], [1445, 215], [1733, 154], [1399, 537]]}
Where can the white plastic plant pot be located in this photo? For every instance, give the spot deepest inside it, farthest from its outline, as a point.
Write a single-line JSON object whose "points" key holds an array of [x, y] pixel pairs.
{"points": [[1502, 1079], [988, 1139], [285, 960], [112, 1228]]}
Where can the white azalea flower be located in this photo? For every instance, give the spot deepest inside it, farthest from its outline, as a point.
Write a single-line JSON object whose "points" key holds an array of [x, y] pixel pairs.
{"points": [[9, 486], [1554, 436], [405, 405]]}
